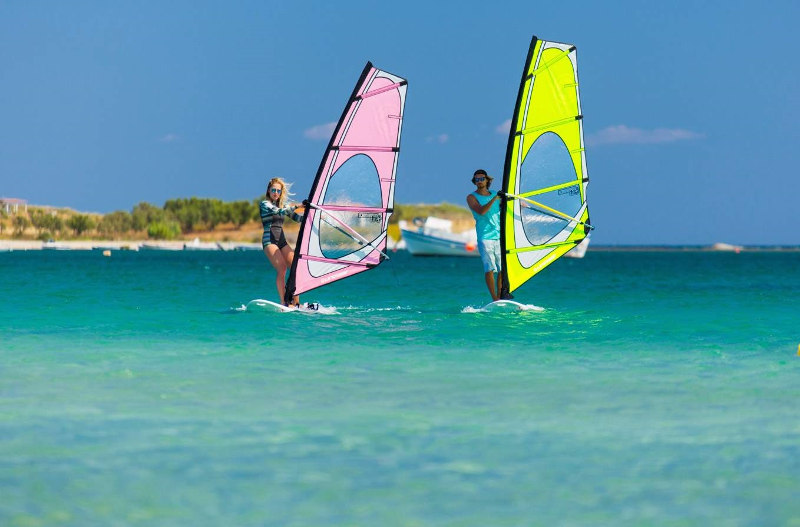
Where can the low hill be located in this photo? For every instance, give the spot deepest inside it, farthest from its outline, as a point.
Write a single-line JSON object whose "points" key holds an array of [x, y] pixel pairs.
{"points": [[183, 219]]}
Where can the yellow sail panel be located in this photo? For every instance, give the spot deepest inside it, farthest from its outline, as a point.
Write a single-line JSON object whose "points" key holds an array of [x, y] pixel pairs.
{"points": [[545, 214]]}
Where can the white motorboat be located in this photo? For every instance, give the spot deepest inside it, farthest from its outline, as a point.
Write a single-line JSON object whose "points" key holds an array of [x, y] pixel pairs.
{"points": [[435, 237]]}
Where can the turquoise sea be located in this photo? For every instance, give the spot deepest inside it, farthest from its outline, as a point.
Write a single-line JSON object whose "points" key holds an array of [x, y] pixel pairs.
{"points": [[657, 388]]}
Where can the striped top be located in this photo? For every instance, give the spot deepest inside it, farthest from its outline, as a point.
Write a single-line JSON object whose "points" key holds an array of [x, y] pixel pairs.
{"points": [[272, 219]]}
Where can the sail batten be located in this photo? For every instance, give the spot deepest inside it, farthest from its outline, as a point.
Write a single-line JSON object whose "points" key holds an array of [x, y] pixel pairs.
{"points": [[351, 209], [550, 63], [544, 190], [348, 208], [552, 124], [540, 247], [366, 148], [382, 90], [545, 159]]}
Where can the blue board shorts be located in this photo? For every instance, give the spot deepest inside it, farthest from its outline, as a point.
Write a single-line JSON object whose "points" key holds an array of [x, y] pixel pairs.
{"points": [[490, 254]]}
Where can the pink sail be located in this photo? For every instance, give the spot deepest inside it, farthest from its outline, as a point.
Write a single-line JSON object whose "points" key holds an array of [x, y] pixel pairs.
{"points": [[348, 209]]}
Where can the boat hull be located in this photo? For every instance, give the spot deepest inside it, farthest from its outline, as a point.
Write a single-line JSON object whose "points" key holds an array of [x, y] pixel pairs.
{"points": [[420, 244]]}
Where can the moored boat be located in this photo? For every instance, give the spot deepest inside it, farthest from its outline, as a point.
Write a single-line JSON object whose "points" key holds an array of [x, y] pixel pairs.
{"points": [[435, 237]]}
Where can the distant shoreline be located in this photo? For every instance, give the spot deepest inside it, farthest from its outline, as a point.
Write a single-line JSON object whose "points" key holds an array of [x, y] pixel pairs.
{"points": [[693, 248], [189, 245], [125, 245]]}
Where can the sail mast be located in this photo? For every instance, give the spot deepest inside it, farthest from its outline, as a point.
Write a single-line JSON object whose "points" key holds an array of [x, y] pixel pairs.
{"points": [[504, 203]]}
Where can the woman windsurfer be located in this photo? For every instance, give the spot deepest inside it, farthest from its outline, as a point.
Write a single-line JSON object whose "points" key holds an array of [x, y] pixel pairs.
{"points": [[273, 241]]}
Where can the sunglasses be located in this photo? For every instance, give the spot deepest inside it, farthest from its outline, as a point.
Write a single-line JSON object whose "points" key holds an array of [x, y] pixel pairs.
{"points": [[275, 190], [478, 179]]}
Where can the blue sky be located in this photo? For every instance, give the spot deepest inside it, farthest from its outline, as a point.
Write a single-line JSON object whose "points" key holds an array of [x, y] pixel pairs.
{"points": [[690, 107]]}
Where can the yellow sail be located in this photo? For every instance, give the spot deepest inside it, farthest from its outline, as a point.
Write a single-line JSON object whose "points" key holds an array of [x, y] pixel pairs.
{"points": [[544, 214]]}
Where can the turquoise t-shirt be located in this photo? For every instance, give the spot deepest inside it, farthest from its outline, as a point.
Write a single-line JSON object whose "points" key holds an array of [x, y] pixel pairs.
{"points": [[487, 225]]}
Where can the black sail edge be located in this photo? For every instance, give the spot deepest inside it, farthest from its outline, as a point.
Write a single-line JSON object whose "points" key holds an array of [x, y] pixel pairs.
{"points": [[505, 203]]}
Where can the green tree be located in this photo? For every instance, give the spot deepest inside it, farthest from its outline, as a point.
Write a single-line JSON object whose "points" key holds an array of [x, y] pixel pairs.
{"points": [[20, 224], [39, 220], [81, 223], [240, 212], [54, 223], [198, 213], [144, 214], [257, 209], [114, 223], [163, 230], [186, 211], [43, 220], [218, 213]]}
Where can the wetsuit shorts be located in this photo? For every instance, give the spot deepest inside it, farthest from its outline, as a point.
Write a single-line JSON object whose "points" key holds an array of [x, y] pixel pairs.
{"points": [[275, 237]]}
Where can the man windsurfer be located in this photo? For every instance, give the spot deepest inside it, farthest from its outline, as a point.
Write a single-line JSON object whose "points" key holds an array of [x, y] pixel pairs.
{"points": [[485, 206]]}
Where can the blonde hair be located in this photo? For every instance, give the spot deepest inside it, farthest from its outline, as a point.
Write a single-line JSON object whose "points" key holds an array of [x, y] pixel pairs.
{"points": [[284, 190]]}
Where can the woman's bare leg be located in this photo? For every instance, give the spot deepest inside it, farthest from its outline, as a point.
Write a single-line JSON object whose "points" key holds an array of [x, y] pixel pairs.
{"points": [[279, 263], [288, 257]]}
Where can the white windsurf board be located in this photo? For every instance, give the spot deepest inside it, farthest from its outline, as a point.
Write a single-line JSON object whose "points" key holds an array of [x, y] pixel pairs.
{"points": [[259, 304], [502, 306]]}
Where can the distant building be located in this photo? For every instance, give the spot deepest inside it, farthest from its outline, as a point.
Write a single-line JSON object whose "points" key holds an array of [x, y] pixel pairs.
{"points": [[11, 205]]}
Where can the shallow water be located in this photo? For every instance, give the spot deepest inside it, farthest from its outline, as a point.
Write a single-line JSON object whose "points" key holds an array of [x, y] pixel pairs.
{"points": [[656, 388]]}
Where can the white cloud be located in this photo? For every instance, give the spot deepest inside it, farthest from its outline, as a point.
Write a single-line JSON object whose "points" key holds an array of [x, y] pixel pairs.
{"points": [[168, 138], [320, 131], [504, 127], [441, 139], [621, 134]]}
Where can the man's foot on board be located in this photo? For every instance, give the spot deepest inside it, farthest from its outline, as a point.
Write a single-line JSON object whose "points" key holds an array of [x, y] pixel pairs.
{"points": [[506, 296]]}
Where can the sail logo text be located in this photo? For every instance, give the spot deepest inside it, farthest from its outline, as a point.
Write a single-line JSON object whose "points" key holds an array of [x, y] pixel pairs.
{"points": [[374, 218], [572, 191]]}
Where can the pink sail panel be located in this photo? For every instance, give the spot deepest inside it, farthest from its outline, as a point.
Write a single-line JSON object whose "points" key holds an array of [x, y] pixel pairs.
{"points": [[351, 200]]}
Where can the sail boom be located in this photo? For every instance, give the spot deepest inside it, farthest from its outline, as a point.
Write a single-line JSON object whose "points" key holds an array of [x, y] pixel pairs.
{"points": [[551, 210], [336, 262]]}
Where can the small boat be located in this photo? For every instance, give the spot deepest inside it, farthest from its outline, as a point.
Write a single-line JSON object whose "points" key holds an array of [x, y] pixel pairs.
{"points": [[197, 245], [580, 250], [113, 247], [435, 237], [726, 247], [162, 246], [52, 245], [247, 247]]}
